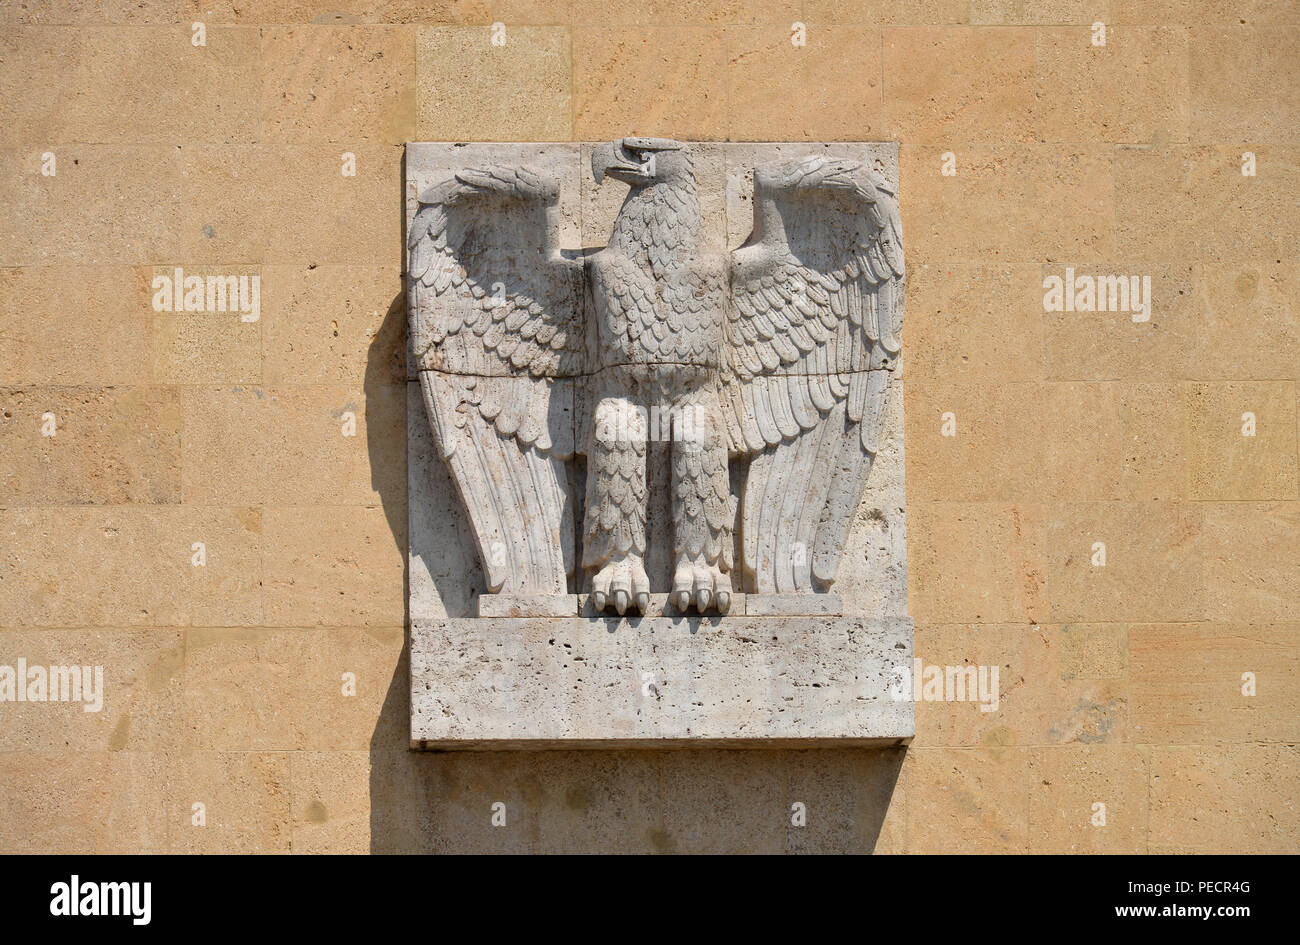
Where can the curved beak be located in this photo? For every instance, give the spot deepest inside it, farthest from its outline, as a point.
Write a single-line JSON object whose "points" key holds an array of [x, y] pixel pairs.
{"points": [[613, 159]]}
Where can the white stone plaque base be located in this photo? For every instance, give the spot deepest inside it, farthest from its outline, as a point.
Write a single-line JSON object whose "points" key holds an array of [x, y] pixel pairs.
{"points": [[659, 682]]}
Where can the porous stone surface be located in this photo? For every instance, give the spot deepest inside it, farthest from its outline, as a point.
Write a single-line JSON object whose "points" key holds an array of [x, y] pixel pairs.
{"points": [[658, 397], [681, 420], [663, 682]]}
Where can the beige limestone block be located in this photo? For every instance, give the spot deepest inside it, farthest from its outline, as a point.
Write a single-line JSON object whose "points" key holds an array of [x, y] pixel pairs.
{"points": [[1153, 556], [331, 802], [293, 445], [289, 204], [588, 801], [1094, 651], [983, 562], [1153, 449], [245, 797], [1205, 12], [344, 12], [1252, 566], [544, 802], [66, 325], [127, 85], [1133, 89], [852, 802], [1194, 204], [1009, 204], [996, 453], [341, 568], [892, 12], [1187, 683], [89, 445], [130, 566], [404, 789], [1082, 430], [973, 323], [683, 12], [278, 690], [956, 85], [79, 12], [1249, 318], [1228, 799], [104, 204], [552, 802], [334, 325], [344, 85], [92, 803], [1223, 461], [1067, 784], [652, 81], [826, 89], [473, 90], [1245, 85], [206, 348], [965, 800], [536, 12], [133, 701], [722, 802], [1111, 441], [1048, 691], [1035, 12], [1156, 337]]}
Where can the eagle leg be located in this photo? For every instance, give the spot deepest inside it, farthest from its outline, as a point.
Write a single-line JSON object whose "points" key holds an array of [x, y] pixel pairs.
{"points": [[614, 528], [703, 510]]}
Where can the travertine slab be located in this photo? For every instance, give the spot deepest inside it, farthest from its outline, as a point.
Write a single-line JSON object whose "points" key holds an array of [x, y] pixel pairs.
{"points": [[794, 605], [662, 415], [658, 682]]}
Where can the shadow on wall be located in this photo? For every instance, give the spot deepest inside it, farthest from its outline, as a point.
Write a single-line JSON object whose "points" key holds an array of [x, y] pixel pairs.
{"points": [[599, 801]]}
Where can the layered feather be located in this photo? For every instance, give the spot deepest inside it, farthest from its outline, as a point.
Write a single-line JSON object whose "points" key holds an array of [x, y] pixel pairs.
{"points": [[814, 334]]}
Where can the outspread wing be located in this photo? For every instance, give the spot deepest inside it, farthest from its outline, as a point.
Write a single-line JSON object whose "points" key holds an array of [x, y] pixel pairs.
{"points": [[813, 337], [496, 316]]}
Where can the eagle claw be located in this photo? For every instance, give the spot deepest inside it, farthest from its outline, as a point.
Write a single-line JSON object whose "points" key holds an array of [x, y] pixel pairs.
{"points": [[623, 585], [704, 585]]}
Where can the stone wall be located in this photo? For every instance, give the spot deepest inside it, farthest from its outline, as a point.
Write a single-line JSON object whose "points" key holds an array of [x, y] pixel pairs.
{"points": [[219, 518]]}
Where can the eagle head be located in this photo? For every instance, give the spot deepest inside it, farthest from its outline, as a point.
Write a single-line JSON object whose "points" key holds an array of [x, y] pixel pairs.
{"points": [[640, 162]]}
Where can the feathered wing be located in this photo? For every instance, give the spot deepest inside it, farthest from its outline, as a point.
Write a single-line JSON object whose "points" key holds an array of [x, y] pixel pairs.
{"points": [[496, 328], [813, 337]]}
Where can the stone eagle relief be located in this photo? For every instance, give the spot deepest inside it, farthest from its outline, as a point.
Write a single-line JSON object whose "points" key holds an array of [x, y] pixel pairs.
{"points": [[768, 366]]}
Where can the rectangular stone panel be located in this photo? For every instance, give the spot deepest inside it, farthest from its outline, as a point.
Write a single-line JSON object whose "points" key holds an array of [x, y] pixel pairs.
{"points": [[537, 665], [658, 682]]}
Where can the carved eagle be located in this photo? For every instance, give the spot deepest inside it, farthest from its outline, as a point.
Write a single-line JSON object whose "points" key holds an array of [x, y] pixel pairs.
{"points": [[779, 353]]}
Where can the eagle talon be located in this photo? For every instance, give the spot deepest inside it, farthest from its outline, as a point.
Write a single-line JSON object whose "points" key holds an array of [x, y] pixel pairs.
{"points": [[621, 584], [704, 585]]}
